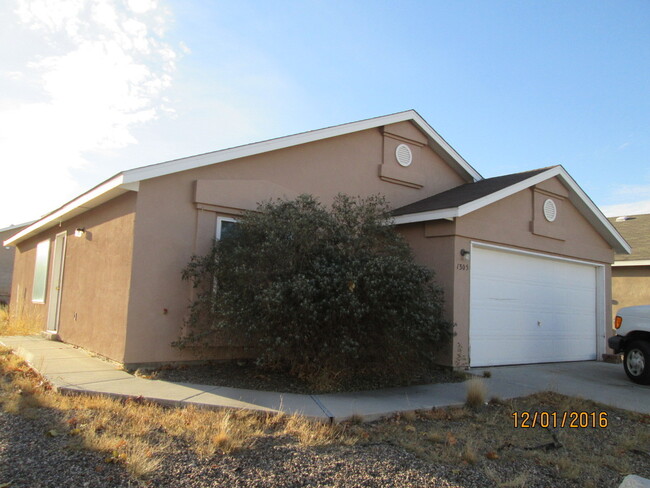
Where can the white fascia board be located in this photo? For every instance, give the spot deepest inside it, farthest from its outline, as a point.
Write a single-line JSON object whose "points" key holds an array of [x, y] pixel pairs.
{"points": [[109, 189], [445, 213], [638, 262], [192, 162], [593, 214], [437, 140]]}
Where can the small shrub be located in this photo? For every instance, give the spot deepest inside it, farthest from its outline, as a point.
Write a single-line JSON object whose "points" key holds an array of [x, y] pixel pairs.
{"points": [[476, 393], [469, 454], [409, 416], [436, 438], [497, 400]]}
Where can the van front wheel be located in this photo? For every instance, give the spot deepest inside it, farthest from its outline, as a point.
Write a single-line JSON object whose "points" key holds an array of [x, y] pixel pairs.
{"points": [[637, 362]]}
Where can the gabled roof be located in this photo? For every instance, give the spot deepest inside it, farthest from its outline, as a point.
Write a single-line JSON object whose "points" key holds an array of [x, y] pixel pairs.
{"points": [[465, 194], [636, 230], [129, 180], [467, 198]]}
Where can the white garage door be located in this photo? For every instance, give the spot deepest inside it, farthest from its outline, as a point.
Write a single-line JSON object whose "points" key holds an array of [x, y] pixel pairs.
{"points": [[530, 309]]}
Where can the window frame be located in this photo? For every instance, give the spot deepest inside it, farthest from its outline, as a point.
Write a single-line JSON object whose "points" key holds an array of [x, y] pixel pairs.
{"points": [[220, 221]]}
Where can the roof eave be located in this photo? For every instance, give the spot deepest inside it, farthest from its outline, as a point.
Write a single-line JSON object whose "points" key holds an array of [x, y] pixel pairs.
{"points": [[103, 192]]}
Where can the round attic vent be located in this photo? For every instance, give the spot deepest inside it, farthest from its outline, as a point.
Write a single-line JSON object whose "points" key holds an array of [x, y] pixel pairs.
{"points": [[403, 155], [550, 210]]}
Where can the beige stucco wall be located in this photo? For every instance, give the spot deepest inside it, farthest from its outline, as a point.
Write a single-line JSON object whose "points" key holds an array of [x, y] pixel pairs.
{"points": [[438, 255], [513, 222], [171, 224], [6, 265], [96, 277], [630, 287]]}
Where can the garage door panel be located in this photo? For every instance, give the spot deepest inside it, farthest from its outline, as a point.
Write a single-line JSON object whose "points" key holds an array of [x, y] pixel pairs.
{"points": [[516, 351], [527, 309]]}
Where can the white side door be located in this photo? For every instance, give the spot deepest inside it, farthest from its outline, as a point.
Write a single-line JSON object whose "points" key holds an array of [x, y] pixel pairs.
{"points": [[53, 308]]}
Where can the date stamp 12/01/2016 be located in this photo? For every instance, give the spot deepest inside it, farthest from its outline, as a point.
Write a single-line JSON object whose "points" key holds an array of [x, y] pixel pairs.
{"points": [[572, 420]]}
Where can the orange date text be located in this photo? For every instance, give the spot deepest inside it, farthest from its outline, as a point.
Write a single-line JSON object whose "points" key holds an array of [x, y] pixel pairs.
{"points": [[572, 420]]}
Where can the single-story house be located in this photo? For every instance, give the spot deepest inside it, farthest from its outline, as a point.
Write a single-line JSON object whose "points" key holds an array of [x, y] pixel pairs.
{"points": [[524, 259], [7, 261], [631, 272]]}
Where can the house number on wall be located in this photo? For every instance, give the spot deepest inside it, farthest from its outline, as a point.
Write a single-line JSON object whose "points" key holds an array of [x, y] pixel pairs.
{"points": [[462, 267]]}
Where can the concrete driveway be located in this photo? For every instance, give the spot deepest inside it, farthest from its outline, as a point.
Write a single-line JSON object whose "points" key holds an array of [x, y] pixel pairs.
{"points": [[598, 381]]}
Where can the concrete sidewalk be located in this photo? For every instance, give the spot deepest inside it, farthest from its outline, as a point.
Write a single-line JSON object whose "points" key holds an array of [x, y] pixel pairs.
{"points": [[73, 370]]}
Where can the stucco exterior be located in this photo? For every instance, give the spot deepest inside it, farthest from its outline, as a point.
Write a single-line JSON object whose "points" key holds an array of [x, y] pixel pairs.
{"points": [[96, 278], [630, 287], [122, 295]]}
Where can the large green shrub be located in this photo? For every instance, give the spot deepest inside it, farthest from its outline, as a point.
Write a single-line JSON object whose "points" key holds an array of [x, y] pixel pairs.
{"points": [[323, 293]]}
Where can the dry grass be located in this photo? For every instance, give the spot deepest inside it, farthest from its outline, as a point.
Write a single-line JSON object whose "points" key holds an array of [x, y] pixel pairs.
{"points": [[138, 433], [476, 393], [311, 434], [14, 324], [469, 454]]}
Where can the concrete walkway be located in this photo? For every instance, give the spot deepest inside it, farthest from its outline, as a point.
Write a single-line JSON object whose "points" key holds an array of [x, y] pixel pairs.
{"points": [[73, 370]]}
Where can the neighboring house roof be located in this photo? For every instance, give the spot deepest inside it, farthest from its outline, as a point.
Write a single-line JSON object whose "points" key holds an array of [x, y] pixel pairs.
{"points": [[17, 226], [129, 180], [636, 230], [467, 198]]}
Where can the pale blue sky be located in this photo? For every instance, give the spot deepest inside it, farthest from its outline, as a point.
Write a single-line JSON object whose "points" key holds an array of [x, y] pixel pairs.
{"points": [[107, 85]]}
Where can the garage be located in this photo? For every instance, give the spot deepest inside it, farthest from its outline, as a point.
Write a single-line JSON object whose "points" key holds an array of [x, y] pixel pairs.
{"points": [[530, 308]]}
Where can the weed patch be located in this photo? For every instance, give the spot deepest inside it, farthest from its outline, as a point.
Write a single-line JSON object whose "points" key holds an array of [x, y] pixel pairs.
{"points": [[476, 393], [14, 324]]}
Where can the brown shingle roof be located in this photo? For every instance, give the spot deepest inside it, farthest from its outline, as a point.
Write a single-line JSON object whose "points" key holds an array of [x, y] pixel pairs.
{"points": [[636, 231], [465, 193]]}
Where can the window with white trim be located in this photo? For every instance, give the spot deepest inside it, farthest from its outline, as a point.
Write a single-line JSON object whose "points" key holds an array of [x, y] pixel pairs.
{"points": [[40, 271], [225, 226]]}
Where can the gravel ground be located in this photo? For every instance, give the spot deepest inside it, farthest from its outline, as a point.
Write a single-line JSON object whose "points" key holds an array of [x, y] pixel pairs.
{"points": [[275, 465], [29, 457]]}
